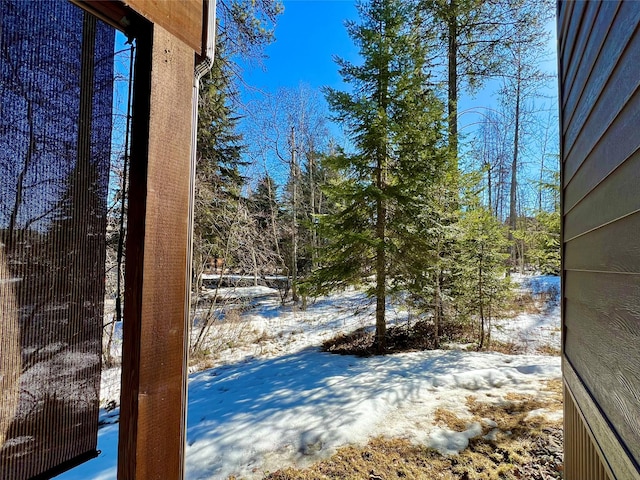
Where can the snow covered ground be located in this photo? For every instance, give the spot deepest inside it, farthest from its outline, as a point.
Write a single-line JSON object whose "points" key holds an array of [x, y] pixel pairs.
{"points": [[532, 331], [282, 401]]}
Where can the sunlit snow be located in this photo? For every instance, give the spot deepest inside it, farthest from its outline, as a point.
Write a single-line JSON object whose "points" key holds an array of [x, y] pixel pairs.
{"points": [[284, 402]]}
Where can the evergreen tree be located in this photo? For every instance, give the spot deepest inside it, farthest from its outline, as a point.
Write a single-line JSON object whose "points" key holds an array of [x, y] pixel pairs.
{"points": [[218, 178], [545, 253], [249, 24], [430, 251], [244, 28], [394, 121], [482, 282], [543, 235], [263, 202]]}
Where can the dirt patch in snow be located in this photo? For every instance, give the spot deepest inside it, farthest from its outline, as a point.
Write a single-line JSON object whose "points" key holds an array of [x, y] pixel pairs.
{"points": [[400, 338], [516, 441]]}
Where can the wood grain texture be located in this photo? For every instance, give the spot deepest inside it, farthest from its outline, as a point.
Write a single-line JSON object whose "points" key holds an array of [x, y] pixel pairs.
{"points": [[151, 443], [164, 333], [619, 143], [613, 80], [583, 44], [564, 11], [617, 408], [615, 197], [600, 202], [602, 16], [612, 248], [112, 12], [571, 34], [135, 265], [610, 297], [182, 18], [602, 318]]}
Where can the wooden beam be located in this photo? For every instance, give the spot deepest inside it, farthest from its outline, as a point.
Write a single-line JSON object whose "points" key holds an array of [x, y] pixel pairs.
{"points": [[112, 12], [184, 18], [152, 419]]}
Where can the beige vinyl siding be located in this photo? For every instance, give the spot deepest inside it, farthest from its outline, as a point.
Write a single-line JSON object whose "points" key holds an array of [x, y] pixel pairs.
{"points": [[599, 65]]}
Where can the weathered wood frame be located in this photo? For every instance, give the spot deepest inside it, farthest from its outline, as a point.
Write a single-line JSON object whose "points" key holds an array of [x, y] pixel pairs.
{"points": [[169, 37], [152, 415], [186, 20]]}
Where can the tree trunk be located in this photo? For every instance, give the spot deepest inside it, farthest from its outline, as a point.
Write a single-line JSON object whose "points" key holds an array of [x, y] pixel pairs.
{"points": [[121, 237], [381, 269], [312, 201], [481, 299], [514, 176], [489, 192], [108, 357], [124, 192], [381, 218], [294, 223], [437, 317], [254, 260], [452, 81]]}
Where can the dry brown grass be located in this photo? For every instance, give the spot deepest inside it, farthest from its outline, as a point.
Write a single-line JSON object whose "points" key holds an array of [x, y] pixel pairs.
{"points": [[517, 450], [228, 331], [549, 350], [381, 459], [554, 386], [508, 348], [450, 420], [524, 302]]}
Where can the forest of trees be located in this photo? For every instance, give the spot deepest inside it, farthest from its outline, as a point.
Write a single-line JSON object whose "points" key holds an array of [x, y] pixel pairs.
{"points": [[407, 205]]}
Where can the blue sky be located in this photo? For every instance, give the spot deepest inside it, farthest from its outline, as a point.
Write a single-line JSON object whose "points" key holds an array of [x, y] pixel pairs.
{"points": [[309, 33]]}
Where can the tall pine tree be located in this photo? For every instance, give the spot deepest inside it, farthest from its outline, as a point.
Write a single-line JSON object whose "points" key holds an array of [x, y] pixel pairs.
{"points": [[218, 178], [395, 124]]}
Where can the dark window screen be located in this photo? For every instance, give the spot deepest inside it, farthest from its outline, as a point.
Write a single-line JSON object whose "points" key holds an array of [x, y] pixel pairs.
{"points": [[56, 89]]}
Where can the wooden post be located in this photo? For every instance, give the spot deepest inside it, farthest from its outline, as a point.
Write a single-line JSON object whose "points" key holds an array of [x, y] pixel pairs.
{"points": [[152, 418]]}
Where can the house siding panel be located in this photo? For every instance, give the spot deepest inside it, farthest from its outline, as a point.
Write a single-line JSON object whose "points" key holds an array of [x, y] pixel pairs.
{"points": [[614, 198], [599, 65], [610, 248], [620, 142], [613, 80], [577, 77], [575, 18], [582, 67]]}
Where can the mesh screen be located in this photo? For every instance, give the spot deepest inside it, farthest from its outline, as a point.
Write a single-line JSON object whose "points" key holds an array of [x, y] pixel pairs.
{"points": [[56, 81]]}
